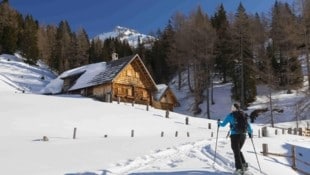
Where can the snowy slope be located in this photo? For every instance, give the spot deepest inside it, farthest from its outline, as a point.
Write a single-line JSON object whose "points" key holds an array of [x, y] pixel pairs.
{"points": [[104, 145], [20, 76], [130, 35]]}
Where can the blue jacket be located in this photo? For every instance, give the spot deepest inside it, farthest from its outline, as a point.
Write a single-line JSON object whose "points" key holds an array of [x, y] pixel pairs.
{"points": [[230, 119]]}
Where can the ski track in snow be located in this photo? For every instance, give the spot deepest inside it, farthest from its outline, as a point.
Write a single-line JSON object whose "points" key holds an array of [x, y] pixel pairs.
{"points": [[202, 151], [171, 157]]}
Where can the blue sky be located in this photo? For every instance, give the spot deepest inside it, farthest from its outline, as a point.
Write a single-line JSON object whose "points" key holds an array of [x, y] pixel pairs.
{"points": [[145, 16]]}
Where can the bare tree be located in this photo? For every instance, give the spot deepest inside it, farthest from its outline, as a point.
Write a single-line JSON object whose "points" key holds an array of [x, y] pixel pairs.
{"points": [[284, 42], [193, 50], [304, 8], [302, 109], [176, 54], [47, 42], [201, 44]]}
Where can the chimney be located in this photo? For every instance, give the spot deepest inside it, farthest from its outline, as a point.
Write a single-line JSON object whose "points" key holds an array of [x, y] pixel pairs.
{"points": [[114, 56]]}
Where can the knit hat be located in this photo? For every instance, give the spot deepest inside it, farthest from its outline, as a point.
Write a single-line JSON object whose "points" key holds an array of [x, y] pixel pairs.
{"points": [[235, 107]]}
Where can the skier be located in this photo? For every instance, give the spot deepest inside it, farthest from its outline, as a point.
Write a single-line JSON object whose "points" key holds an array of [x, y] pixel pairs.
{"points": [[238, 128]]}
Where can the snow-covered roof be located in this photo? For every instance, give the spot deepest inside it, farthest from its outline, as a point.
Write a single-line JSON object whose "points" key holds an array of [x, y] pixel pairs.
{"points": [[87, 73], [91, 75], [111, 71], [97, 73], [161, 91]]}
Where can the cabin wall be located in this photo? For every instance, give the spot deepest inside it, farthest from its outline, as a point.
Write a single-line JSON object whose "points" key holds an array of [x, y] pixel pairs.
{"points": [[167, 101], [102, 92], [163, 105], [69, 81], [130, 76], [128, 86], [66, 85], [168, 98]]}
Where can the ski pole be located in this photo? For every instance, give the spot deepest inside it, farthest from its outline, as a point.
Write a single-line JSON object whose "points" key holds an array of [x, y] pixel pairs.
{"points": [[217, 133], [256, 155]]}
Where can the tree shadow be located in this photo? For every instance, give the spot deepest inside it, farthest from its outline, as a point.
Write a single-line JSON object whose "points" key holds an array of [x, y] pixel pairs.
{"points": [[189, 172], [104, 172]]}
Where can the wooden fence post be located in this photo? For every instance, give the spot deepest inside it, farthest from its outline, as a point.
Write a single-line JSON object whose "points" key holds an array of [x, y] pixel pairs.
{"points": [[209, 125], [186, 120], [187, 134], [293, 157], [265, 149], [276, 132], [162, 134], [283, 131], [147, 107], [264, 131], [167, 113], [133, 103], [300, 131], [132, 133], [118, 100], [176, 134], [289, 131], [211, 134], [45, 138], [74, 133], [258, 133]]}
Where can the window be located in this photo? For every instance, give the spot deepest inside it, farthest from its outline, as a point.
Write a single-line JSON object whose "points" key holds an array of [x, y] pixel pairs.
{"points": [[129, 73], [144, 94], [119, 91], [137, 75], [129, 92]]}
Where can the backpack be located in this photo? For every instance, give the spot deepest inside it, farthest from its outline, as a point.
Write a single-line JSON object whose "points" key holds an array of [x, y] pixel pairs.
{"points": [[240, 124]]}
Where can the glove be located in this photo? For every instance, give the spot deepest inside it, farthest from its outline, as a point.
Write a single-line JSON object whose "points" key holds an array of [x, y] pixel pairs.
{"points": [[250, 135], [218, 122]]}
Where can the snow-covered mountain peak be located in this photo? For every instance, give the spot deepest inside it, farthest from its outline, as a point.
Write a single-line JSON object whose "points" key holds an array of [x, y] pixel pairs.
{"points": [[125, 31], [132, 36]]}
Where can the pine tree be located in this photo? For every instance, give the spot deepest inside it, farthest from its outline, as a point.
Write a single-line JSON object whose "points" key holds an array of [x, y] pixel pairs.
{"points": [[223, 52], [63, 56], [244, 85], [111, 45], [125, 49], [82, 46], [28, 40], [284, 43], [9, 28], [95, 51], [159, 56]]}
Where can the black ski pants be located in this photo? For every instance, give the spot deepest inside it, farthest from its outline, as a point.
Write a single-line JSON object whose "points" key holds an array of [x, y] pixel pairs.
{"points": [[237, 141]]}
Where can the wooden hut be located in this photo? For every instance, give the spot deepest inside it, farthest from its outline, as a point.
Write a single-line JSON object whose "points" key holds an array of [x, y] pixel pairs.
{"points": [[125, 79], [164, 98]]}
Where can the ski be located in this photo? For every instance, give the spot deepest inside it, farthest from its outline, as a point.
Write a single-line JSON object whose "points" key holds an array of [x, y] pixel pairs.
{"points": [[247, 173], [243, 173]]}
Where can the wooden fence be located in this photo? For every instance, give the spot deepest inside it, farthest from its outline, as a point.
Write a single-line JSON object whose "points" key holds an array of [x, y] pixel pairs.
{"points": [[293, 157], [267, 131]]}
